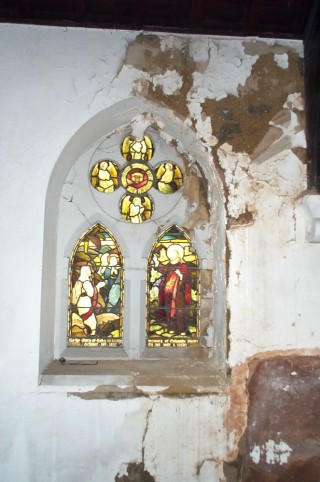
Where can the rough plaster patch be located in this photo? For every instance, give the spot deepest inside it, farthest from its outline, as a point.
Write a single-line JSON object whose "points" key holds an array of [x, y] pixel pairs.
{"points": [[195, 191], [142, 121], [255, 454], [135, 473], [164, 69], [271, 452], [187, 74], [277, 46], [282, 60], [274, 453], [275, 168], [228, 67], [207, 469], [171, 42], [170, 82], [235, 419], [235, 166], [243, 119], [295, 101], [203, 126], [200, 50]]}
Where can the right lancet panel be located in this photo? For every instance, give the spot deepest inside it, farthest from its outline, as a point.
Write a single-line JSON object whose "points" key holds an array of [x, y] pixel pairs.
{"points": [[173, 287]]}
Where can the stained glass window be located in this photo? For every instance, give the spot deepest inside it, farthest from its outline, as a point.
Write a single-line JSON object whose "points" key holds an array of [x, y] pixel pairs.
{"points": [[136, 209], [96, 290], [169, 178], [104, 176], [173, 286], [137, 178], [133, 148]]}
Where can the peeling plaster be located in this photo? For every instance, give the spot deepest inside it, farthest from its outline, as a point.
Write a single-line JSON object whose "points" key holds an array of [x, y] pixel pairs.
{"points": [[243, 99], [233, 76], [282, 60], [272, 452], [171, 82], [227, 68]]}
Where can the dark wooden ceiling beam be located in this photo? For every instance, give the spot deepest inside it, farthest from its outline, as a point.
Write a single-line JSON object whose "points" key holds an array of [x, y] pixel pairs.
{"points": [[312, 94], [138, 14], [80, 10], [196, 14], [23, 8], [250, 26], [264, 18]]}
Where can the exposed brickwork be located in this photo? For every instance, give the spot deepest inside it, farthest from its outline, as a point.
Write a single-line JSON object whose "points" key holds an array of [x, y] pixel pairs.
{"points": [[283, 430]]}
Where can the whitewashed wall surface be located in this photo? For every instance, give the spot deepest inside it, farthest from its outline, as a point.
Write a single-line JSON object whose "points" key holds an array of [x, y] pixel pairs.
{"points": [[243, 101]]}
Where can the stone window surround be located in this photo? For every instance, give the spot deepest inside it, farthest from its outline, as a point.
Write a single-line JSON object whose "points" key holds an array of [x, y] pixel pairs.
{"points": [[112, 367], [311, 204]]}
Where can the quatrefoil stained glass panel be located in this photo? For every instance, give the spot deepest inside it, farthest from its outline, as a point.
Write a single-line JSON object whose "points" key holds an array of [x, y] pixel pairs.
{"points": [[136, 178]]}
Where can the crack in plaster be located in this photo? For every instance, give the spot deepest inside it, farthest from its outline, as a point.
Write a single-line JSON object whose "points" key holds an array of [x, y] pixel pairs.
{"points": [[200, 465], [94, 97], [149, 413]]}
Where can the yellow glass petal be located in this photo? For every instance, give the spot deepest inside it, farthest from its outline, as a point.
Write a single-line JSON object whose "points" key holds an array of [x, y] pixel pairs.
{"points": [[169, 178], [135, 148], [104, 176], [136, 209]]}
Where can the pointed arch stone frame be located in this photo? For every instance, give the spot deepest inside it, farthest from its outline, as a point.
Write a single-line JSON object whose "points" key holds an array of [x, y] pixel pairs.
{"points": [[109, 120]]}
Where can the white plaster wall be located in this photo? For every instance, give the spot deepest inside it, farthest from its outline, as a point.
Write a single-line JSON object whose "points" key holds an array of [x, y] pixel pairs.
{"points": [[52, 81]]}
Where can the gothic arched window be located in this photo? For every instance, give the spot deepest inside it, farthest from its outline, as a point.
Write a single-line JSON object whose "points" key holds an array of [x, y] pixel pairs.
{"points": [[134, 243]]}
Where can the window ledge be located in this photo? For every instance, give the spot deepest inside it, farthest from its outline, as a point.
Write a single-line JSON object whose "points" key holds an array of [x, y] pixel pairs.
{"points": [[117, 379]]}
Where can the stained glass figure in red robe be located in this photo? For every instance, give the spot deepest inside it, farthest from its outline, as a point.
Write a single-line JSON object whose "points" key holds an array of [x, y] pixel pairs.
{"points": [[174, 290]]}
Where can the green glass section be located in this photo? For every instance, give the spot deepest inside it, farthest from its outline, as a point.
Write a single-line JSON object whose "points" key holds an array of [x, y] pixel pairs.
{"points": [[96, 290], [173, 287]]}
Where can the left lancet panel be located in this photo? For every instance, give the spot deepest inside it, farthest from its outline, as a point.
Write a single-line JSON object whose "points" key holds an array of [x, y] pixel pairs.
{"points": [[96, 290]]}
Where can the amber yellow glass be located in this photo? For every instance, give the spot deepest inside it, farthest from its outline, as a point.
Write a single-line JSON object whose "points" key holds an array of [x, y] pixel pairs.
{"points": [[104, 176], [134, 148], [137, 178], [173, 285], [96, 290], [169, 178], [136, 209]]}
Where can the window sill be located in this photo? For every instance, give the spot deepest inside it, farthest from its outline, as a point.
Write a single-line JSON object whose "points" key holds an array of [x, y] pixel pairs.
{"points": [[117, 379]]}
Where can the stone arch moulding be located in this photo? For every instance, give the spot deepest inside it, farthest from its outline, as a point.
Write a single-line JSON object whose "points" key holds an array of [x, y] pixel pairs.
{"points": [[138, 114]]}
